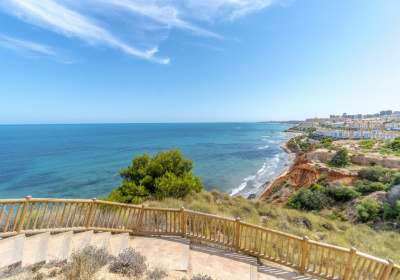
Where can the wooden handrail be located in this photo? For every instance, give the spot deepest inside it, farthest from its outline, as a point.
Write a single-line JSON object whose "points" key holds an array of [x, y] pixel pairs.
{"points": [[38, 215]]}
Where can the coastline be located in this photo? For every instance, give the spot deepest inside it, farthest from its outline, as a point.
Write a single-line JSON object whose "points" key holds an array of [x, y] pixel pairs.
{"points": [[288, 164]]}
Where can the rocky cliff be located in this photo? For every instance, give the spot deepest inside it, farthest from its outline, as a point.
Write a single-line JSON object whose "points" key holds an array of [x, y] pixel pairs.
{"points": [[307, 168]]}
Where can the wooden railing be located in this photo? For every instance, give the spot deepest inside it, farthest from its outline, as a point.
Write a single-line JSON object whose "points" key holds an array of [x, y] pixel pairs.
{"points": [[36, 215]]}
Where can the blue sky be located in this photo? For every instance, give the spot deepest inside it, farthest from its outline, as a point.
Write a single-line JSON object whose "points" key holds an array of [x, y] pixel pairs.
{"points": [[100, 61]]}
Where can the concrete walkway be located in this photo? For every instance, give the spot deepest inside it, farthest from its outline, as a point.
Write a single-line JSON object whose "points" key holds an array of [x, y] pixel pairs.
{"points": [[172, 253]]}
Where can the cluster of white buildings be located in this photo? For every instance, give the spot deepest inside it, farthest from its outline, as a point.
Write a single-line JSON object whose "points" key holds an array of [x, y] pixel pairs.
{"points": [[361, 134], [387, 124]]}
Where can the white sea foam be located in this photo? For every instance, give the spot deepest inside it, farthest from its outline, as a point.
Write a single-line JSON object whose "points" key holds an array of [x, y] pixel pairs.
{"points": [[251, 184], [243, 184], [263, 148]]}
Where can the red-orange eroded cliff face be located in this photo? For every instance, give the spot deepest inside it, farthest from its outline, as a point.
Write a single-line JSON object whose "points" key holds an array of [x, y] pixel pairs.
{"points": [[304, 172]]}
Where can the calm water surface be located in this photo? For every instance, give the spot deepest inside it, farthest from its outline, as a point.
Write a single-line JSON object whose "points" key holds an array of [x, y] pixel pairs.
{"points": [[84, 160]]}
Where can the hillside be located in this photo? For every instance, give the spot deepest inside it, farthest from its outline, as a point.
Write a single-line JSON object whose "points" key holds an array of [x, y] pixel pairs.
{"points": [[383, 244], [339, 191]]}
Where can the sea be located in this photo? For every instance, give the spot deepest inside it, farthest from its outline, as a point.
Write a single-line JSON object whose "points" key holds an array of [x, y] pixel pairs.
{"points": [[84, 160]]}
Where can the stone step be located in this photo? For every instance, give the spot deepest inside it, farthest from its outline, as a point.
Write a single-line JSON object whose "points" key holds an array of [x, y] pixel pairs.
{"points": [[11, 250], [267, 272], [101, 240], [222, 264], [171, 253], [36, 249], [118, 243], [81, 240], [60, 246]]}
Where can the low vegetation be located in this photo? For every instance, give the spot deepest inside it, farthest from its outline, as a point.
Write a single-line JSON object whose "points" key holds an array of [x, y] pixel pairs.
{"points": [[85, 263], [382, 244], [317, 197], [129, 263], [367, 144], [325, 195], [325, 143], [394, 145]]}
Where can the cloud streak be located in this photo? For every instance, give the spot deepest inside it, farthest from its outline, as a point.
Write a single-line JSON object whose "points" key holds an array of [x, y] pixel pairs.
{"points": [[53, 16], [27, 47], [165, 14], [74, 19]]}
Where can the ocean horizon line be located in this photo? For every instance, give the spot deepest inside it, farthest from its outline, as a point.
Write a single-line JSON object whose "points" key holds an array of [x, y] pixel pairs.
{"points": [[105, 123]]}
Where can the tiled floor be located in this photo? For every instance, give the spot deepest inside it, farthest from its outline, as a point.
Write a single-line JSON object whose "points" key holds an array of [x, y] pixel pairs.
{"points": [[219, 263], [160, 251]]}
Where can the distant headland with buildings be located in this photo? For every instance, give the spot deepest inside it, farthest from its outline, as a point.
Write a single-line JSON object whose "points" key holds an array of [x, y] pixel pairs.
{"points": [[382, 125]]}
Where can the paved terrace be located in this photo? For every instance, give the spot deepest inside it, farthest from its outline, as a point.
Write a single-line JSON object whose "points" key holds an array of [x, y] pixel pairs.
{"points": [[173, 253]]}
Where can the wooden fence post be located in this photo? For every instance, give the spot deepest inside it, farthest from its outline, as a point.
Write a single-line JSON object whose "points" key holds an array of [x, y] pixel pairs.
{"points": [[388, 270], [23, 214], [237, 234], [349, 264], [304, 255], [183, 222], [139, 227], [89, 220]]}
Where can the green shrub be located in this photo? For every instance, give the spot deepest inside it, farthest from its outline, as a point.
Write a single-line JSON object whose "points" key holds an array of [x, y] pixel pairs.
{"points": [[304, 146], [394, 145], [311, 198], [341, 158], [368, 210], [341, 193], [372, 163], [398, 208], [377, 174], [366, 144], [167, 174], [322, 179], [396, 179], [385, 152], [337, 215], [366, 187], [325, 143], [389, 212]]}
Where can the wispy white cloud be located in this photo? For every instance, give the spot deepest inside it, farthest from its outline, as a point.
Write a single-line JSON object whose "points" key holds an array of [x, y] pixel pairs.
{"points": [[164, 13], [97, 22], [32, 49], [50, 15]]}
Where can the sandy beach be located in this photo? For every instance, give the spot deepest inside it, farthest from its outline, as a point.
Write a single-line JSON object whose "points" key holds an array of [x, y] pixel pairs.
{"points": [[285, 169]]}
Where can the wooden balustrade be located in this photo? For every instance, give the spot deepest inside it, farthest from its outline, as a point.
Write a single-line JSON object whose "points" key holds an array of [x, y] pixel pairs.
{"points": [[36, 215]]}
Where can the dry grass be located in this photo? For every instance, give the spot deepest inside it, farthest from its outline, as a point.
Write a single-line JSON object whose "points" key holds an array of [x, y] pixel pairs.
{"points": [[382, 244], [84, 264]]}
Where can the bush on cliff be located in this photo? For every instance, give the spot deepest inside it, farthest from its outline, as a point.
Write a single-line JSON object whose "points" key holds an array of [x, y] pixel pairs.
{"points": [[340, 159], [366, 187], [317, 197], [167, 174], [309, 199], [368, 210], [341, 193], [394, 145], [325, 143], [396, 179], [377, 174]]}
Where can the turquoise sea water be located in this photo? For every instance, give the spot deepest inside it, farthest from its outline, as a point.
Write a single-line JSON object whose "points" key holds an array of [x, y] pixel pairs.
{"points": [[70, 161]]}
